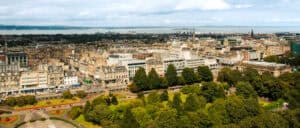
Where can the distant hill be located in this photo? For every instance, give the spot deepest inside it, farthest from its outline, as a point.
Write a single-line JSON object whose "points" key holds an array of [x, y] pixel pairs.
{"points": [[25, 27]]}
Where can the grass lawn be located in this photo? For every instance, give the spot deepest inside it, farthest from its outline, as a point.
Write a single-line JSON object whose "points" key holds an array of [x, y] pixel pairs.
{"points": [[270, 105], [8, 120], [52, 102], [86, 124]]}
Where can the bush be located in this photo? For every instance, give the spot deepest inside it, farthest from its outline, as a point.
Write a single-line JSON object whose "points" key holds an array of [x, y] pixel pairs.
{"points": [[21, 100], [42, 119], [67, 94], [20, 124], [81, 94], [32, 120], [75, 112]]}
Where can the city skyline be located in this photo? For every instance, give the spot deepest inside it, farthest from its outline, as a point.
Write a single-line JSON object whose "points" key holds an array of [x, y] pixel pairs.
{"points": [[119, 13]]}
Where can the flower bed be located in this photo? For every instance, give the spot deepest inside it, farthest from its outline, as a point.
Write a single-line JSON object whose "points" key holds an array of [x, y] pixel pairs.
{"points": [[49, 103], [57, 112], [9, 119]]}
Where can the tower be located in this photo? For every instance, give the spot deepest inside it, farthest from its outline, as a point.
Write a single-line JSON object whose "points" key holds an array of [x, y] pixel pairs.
{"points": [[252, 33], [193, 39]]}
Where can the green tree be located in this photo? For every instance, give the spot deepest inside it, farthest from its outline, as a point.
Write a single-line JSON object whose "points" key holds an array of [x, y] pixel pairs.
{"points": [[11, 101], [166, 119], [140, 79], [129, 121], [189, 75], [245, 89], [114, 100], [252, 106], [235, 109], [199, 120], [21, 101], [191, 103], [292, 117], [87, 107], [171, 75], [30, 99], [163, 82], [211, 91], [205, 73], [176, 103], [180, 80], [272, 59], [265, 120], [81, 94], [276, 89], [67, 94], [250, 75], [153, 79], [75, 112], [99, 114], [153, 98], [164, 96], [142, 117], [99, 100], [195, 89], [133, 87], [229, 76]]}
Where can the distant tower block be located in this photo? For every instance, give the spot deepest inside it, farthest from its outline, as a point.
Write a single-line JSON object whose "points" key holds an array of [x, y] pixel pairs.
{"points": [[194, 35], [252, 33]]}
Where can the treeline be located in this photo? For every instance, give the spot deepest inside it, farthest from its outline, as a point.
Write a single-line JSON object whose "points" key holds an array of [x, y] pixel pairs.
{"points": [[20, 101], [25, 40], [143, 81], [196, 106], [286, 86], [88, 111], [287, 58]]}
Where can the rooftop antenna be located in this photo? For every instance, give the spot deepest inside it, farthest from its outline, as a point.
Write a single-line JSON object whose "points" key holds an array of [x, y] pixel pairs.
{"points": [[5, 48], [193, 34]]}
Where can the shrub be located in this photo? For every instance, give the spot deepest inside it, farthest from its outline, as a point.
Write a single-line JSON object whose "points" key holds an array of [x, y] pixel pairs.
{"points": [[20, 124]]}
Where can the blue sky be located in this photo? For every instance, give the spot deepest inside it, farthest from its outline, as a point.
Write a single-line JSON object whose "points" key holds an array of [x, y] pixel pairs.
{"points": [[151, 12]]}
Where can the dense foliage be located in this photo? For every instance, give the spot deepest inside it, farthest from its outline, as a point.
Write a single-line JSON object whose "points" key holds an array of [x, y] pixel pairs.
{"points": [[20, 101], [143, 81]]}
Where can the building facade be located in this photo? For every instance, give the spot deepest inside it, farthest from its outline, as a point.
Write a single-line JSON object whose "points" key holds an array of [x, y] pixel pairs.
{"points": [[112, 75]]}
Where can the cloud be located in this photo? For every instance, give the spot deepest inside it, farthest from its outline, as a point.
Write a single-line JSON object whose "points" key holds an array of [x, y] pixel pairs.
{"points": [[147, 12], [285, 19], [203, 5], [243, 6]]}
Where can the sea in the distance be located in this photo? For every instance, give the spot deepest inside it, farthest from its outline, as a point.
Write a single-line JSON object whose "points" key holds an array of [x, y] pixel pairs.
{"points": [[159, 30]]}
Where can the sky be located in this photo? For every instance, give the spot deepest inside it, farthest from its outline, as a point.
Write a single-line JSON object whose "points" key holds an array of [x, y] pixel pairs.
{"points": [[121, 13]]}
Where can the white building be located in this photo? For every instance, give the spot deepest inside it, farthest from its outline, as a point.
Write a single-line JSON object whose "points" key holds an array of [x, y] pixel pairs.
{"points": [[211, 63], [176, 61], [33, 79], [194, 63], [71, 80], [132, 65], [115, 59], [112, 75]]}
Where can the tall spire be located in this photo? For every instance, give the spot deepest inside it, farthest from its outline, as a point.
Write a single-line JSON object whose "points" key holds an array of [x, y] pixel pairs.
{"points": [[193, 35], [252, 33]]}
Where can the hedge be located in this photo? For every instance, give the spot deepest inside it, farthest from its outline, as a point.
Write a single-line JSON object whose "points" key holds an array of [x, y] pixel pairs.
{"points": [[20, 124]]}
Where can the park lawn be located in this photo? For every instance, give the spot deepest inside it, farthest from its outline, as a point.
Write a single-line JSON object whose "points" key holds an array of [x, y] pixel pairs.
{"points": [[86, 124], [270, 105], [47, 103], [263, 103]]}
